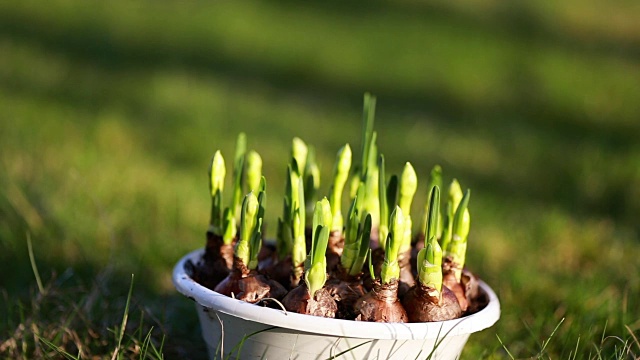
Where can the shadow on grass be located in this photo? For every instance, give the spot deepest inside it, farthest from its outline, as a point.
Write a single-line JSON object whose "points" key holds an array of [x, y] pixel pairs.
{"points": [[83, 304]]}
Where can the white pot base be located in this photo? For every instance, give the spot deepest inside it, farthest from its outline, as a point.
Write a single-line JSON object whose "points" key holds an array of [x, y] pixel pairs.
{"points": [[255, 332]]}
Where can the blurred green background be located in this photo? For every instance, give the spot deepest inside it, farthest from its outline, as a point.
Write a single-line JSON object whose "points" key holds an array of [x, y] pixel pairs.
{"points": [[110, 112]]}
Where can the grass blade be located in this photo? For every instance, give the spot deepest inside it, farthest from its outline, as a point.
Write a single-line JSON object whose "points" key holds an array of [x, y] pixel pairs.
{"points": [[34, 266], [125, 317], [505, 348]]}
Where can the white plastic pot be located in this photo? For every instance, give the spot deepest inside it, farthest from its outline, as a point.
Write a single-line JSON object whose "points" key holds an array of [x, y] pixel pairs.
{"points": [[245, 331]]}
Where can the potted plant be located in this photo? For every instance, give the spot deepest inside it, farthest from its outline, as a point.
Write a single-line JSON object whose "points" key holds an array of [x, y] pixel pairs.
{"points": [[354, 287]]}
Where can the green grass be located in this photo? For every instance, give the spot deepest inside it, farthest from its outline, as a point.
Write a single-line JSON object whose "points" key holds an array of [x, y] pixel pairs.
{"points": [[109, 113]]}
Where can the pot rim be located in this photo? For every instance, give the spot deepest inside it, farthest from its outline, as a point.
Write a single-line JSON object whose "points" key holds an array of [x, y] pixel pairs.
{"points": [[481, 320]]}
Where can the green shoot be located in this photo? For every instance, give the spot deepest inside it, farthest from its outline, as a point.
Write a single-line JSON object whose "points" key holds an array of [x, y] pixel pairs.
{"points": [[228, 226], [253, 171], [340, 175], [321, 218], [354, 181], [368, 117], [299, 246], [391, 200], [248, 227], [368, 165], [364, 236], [351, 230], [390, 266], [284, 239], [217, 172], [316, 267], [356, 242], [371, 203], [430, 257], [360, 195], [371, 270], [455, 195], [435, 179], [238, 169], [460, 232], [408, 187], [311, 177], [256, 237], [430, 266], [293, 202], [299, 152], [433, 215], [383, 226]]}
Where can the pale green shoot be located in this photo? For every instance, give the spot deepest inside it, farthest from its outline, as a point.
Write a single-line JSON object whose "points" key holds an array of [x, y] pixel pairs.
{"points": [[408, 187], [371, 203], [299, 246], [253, 171], [356, 243], [364, 237], [430, 266], [228, 226], [455, 196], [433, 215], [461, 224], [368, 117], [390, 266], [351, 245], [435, 179], [238, 169], [391, 200], [383, 226], [217, 172], [340, 175], [248, 224], [256, 237], [311, 179], [293, 202], [299, 152], [430, 257], [316, 267]]}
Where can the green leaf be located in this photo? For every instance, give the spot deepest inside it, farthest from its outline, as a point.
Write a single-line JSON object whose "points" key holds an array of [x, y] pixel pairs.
{"points": [[248, 222], [368, 118], [322, 241], [390, 266], [311, 177], [433, 213], [238, 170], [364, 240], [383, 226]]}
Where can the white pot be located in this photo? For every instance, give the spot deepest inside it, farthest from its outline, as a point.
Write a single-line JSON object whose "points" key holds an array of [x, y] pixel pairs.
{"points": [[245, 331]]}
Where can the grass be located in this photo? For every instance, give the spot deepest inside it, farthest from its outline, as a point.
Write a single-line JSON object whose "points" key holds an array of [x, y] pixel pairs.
{"points": [[110, 113]]}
